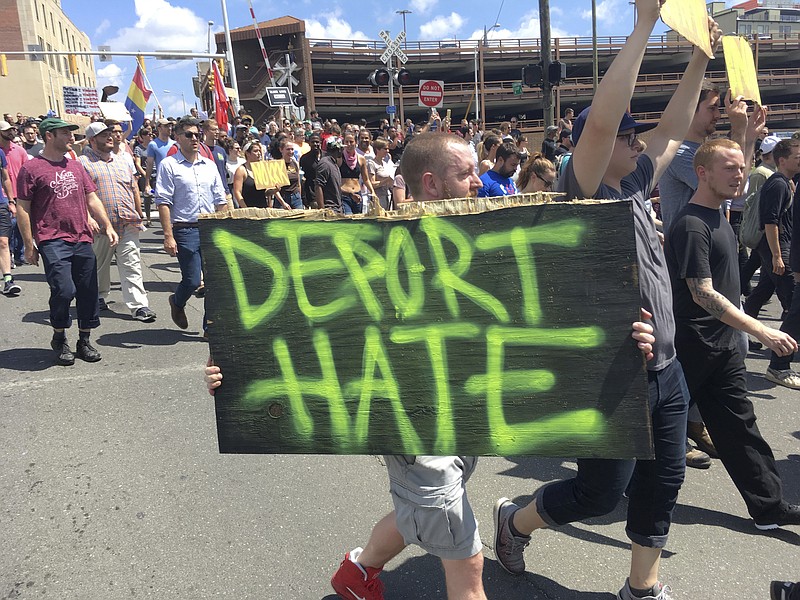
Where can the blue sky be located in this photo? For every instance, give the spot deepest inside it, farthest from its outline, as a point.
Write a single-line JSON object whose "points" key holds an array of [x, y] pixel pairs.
{"points": [[138, 25]]}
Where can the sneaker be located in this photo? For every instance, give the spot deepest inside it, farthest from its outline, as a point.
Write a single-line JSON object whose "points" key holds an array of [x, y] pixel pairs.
{"points": [[200, 292], [85, 351], [787, 378], [784, 590], [10, 288], [144, 314], [784, 514], [102, 304], [664, 593], [698, 433], [696, 459], [353, 581], [508, 548], [178, 314], [64, 355]]}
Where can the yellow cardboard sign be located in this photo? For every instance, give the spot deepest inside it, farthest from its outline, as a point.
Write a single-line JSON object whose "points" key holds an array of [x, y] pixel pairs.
{"points": [[690, 19], [270, 174], [741, 68]]}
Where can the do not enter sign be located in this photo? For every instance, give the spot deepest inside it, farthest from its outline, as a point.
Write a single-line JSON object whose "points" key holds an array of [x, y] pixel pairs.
{"points": [[431, 93]]}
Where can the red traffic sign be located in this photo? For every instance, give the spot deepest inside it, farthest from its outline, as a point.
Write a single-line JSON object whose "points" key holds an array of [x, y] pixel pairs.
{"points": [[431, 93]]}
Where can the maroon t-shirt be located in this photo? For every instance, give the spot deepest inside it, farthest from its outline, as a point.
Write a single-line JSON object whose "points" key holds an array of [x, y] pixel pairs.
{"points": [[57, 193]]}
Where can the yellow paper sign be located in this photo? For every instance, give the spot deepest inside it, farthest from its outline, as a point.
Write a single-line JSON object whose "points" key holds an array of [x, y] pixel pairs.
{"points": [[741, 68], [690, 19], [270, 174]]}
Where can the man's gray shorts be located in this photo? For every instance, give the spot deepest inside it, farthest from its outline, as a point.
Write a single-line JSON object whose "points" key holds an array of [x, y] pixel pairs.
{"points": [[431, 505]]}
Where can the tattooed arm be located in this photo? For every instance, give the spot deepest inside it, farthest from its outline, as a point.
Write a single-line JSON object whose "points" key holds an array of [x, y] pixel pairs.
{"points": [[719, 307]]}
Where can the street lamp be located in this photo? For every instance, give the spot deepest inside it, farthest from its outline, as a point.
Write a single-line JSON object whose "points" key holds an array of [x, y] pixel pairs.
{"points": [[210, 25], [486, 32], [404, 12], [183, 99]]}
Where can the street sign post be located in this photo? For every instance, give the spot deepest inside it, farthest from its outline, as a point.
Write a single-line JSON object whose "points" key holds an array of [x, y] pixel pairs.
{"points": [[392, 49], [390, 110]]}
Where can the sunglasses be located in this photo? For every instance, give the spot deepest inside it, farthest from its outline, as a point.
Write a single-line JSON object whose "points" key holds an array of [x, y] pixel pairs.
{"points": [[547, 184], [191, 135], [630, 138]]}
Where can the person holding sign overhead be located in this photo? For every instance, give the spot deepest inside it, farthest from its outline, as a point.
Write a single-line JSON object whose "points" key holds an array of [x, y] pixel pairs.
{"points": [[608, 163]]}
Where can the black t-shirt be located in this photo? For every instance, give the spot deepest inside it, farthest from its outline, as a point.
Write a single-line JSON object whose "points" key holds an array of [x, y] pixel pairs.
{"points": [[775, 208], [701, 245], [794, 258], [329, 178], [549, 149], [308, 164]]}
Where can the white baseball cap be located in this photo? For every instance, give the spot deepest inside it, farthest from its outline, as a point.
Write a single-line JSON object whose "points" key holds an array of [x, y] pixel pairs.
{"points": [[95, 128], [768, 143]]}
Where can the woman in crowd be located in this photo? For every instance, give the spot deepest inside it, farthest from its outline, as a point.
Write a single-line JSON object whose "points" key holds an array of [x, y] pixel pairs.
{"points": [[536, 175]]}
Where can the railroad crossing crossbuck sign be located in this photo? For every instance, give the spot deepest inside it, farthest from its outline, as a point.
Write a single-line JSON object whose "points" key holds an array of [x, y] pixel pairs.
{"points": [[393, 48], [286, 68]]}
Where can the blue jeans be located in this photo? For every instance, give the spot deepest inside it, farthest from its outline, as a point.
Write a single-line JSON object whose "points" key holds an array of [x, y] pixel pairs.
{"points": [[599, 484], [351, 206], [15, 243], [71, 272], [190, 261]]}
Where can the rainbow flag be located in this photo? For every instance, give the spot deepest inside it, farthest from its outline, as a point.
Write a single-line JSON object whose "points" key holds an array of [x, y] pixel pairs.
{"points": [[136, 102]]}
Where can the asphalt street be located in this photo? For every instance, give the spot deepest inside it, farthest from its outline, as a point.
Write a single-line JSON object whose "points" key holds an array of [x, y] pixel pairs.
{"points": [[111, 486]]}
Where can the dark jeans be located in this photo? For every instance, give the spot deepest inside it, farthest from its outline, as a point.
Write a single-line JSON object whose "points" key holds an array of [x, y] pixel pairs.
{"points": [[767, 283], [71, 272], [351, 206], [294, 200], [717, 381], [190, 261], [748, 270], [654, 484], [791, 325], [15, 244]]}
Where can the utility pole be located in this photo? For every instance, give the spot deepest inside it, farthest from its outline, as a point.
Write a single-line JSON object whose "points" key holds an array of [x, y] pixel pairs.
{"points": [[547, 87]]}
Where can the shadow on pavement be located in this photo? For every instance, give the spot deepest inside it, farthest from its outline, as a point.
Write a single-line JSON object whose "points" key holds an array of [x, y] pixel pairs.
{"points": [[148, 337], [693, 515], [27, 359]]}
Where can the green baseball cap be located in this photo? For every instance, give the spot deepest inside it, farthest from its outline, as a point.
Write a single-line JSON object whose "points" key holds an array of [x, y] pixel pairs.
{"points": [[53, 123]]}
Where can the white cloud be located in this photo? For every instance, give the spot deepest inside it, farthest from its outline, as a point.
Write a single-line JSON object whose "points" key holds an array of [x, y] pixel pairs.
{"points": [[608, 11], [529, 27], [111, 75], [335, 28], [423, 6], [173, 104], [162, 26], [442, 27], [104, 25]]}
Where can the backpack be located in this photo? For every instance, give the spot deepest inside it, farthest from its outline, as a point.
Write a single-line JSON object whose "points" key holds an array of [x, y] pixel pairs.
{"points": [[751, 232]]}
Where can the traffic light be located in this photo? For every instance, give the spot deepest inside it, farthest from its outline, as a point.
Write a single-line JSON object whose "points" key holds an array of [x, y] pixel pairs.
{"points": [[402, 77], [379, 77], [221, 67], [73, 64], [3, 66], [298, 100], [532, 75], [211, 80], [557, 72]]}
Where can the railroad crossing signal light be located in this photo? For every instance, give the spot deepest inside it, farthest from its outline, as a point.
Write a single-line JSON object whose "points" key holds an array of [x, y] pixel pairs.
{"points": [[532, 75], [298, 100], [73, 64], [3, 66], [379, 77], [557, 72], [402, 77]]}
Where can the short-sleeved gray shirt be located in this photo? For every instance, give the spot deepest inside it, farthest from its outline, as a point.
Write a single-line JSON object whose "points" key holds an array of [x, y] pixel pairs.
{"points": [[678, 183], [654, 282]]}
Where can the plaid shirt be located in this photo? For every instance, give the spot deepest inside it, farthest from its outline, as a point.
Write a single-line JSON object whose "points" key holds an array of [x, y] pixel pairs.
{"points": [[114, 181]]}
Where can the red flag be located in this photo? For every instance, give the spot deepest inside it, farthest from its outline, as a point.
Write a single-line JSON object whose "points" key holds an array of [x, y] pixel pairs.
{"points": [[221, 103]]}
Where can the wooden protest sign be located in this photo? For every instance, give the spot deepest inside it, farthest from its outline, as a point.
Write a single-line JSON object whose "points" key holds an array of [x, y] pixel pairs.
{"points": [[269, 174], [495, 326], [741, 68], [690, 19]]}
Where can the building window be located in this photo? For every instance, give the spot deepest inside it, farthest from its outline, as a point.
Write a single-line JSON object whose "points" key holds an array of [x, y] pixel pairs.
{"points": [[66, 65], [50, 56], [785, 29], [52, 23], [36, 8], [44, 14], [745, 28], [61, 31]]}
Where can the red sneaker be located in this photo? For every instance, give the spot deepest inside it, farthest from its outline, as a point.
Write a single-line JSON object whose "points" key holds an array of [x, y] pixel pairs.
{"points": [[353, 581]]}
